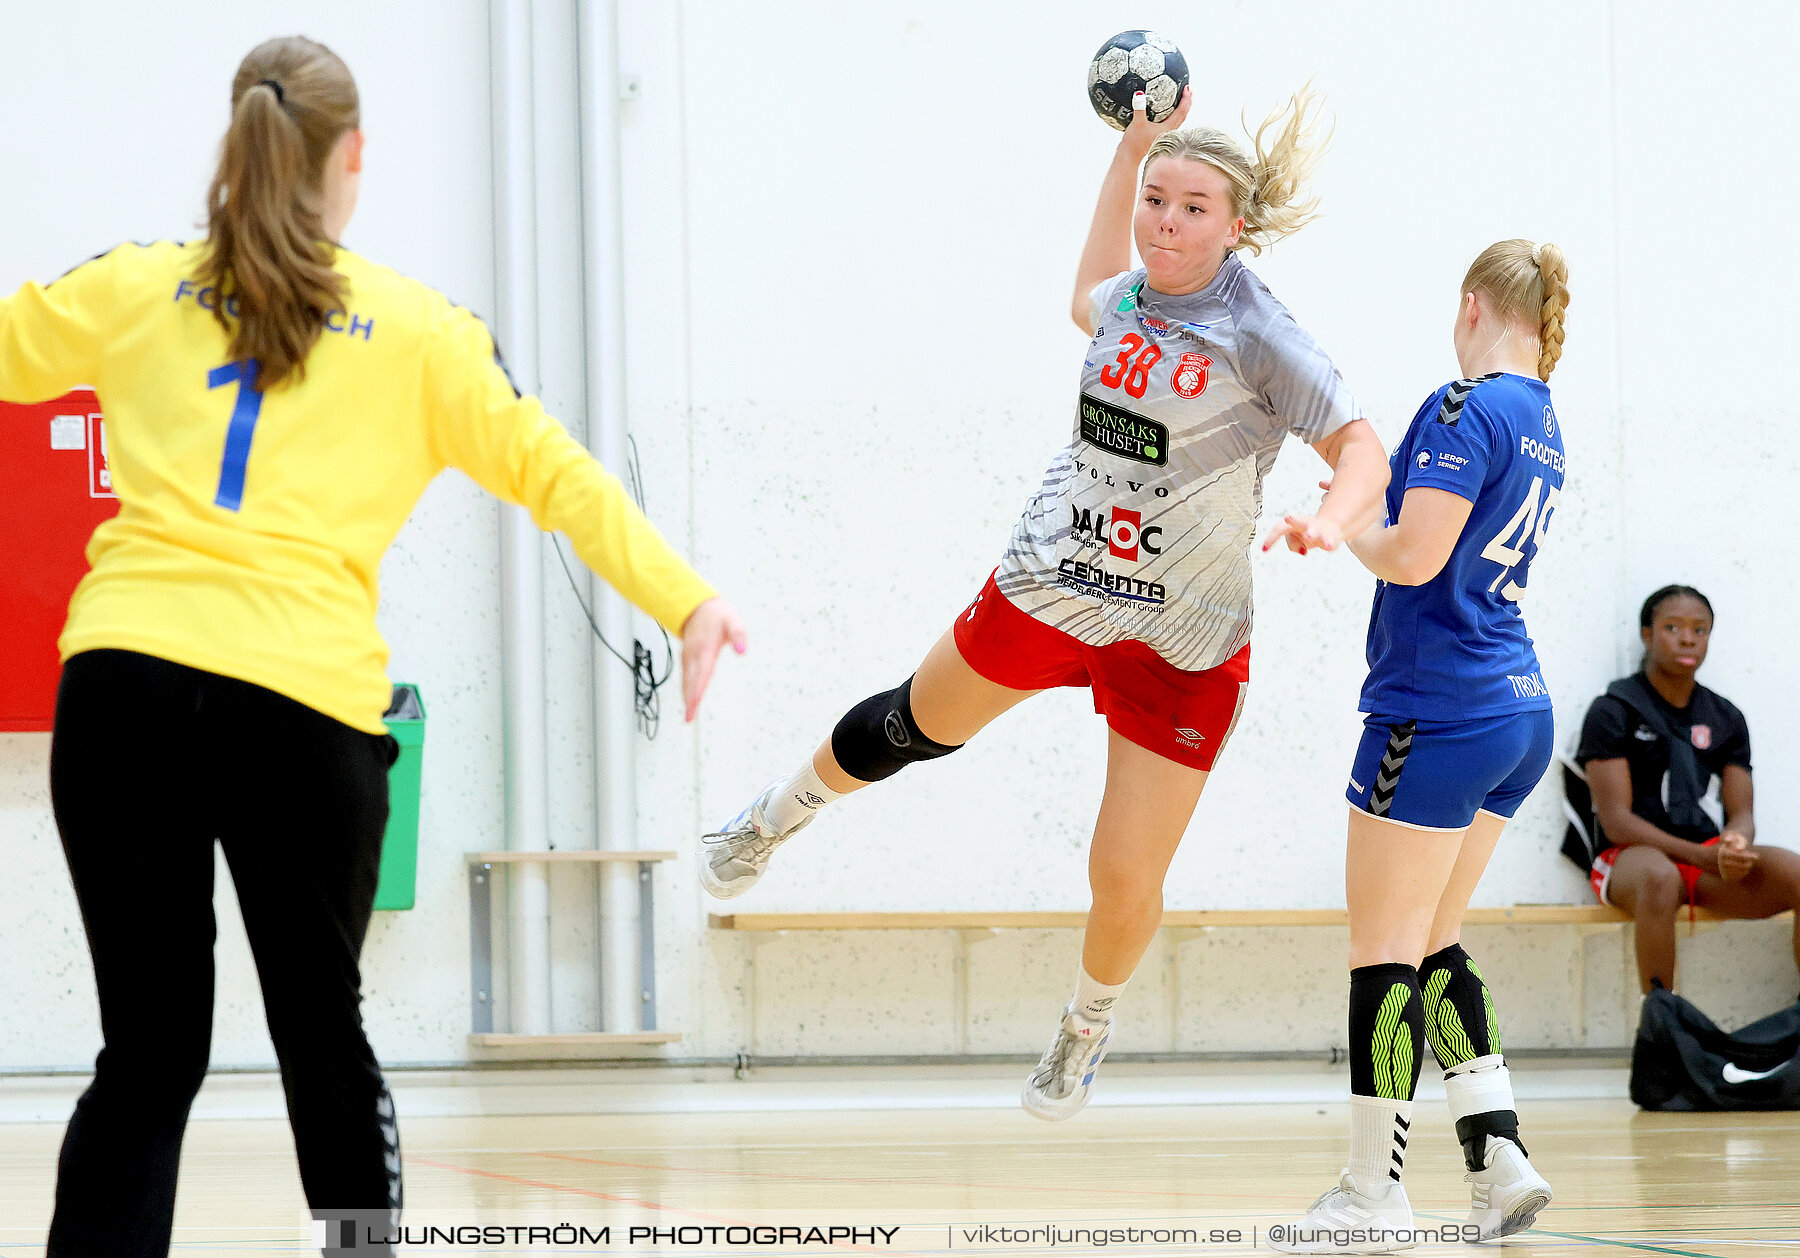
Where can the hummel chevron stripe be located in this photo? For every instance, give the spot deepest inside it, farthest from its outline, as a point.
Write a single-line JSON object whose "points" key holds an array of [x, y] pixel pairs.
{"points": [[1393, 759], [1457, 394]]}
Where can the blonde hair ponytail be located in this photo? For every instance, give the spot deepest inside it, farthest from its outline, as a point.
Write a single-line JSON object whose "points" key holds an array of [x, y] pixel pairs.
{"points": [[1553, 268], [1268, 192], [266, 253], [1527, 283]]}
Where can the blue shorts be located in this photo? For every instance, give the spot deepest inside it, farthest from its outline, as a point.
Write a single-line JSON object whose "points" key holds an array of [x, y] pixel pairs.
{"points": [[1438, 774]]}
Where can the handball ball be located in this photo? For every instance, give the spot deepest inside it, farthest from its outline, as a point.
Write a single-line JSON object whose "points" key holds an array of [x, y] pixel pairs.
{"points": [[1132, 62]]}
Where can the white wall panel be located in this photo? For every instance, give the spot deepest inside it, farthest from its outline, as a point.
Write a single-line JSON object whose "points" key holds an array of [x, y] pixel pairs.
{"points": [[850, 237], [114, 117], [884, 365]]}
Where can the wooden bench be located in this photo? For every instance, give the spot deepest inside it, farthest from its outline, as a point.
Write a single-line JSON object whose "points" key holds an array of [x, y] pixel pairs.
{"points": [[1583, 920]]}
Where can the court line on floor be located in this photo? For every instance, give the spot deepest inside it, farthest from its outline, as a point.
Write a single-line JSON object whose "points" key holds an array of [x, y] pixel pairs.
{"points": [[1624, 1244], [903, 1183], [1697, 1205], [575, 1156], [1544, 1131], [811, 1147], [1439, 1216], [413, 1159], [923, 1182]]}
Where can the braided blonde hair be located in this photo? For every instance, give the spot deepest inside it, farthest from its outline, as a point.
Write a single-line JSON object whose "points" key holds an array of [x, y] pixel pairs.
{"points": [[1528, 283], [1266, 192]]}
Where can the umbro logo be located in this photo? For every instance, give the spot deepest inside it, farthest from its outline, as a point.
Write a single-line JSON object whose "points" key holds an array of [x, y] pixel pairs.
{"points": [[1644, 734], [1189, 737]]}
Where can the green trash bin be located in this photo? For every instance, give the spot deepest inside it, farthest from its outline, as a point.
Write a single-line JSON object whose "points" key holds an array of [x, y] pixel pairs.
{"points": [[400, 845]]}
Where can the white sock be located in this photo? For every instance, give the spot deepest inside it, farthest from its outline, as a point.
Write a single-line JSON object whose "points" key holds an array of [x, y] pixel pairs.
{"points": [[1093, 999], [797, 798], [1379, 1129]]}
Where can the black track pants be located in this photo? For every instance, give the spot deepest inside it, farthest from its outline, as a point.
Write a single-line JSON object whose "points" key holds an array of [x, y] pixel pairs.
{"points": [[150, 763]]}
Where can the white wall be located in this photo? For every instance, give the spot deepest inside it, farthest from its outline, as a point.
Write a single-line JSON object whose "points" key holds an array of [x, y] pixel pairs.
{"points": [[114, 113], [1706, 330], [933, 360], [850, 240]]}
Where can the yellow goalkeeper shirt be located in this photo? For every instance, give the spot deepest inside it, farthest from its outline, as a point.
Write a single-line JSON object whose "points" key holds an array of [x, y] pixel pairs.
{"points": [[251, 526]]}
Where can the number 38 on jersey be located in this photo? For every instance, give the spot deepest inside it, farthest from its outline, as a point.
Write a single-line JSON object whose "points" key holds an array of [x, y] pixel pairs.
{"points": [[1131, 370]]}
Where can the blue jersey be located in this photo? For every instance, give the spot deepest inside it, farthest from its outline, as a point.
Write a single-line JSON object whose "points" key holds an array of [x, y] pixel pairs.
{"points": [[1455, 648]]}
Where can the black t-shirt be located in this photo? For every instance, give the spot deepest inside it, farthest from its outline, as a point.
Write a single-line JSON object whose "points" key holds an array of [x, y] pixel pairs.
{"points": [[1613, 731]]}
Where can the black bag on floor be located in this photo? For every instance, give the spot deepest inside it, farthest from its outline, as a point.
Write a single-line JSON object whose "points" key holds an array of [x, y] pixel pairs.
{"points": [[1682, 1061]]}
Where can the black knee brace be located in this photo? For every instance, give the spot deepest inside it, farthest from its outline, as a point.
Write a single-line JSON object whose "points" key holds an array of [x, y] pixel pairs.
{"points": [[878, 737]]}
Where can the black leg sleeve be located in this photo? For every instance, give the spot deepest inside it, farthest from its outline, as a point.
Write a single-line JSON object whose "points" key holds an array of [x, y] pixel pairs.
{"points": [[1387, 1031]]}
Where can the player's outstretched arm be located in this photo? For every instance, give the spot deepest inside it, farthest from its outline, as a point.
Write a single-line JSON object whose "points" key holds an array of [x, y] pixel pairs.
{"points": [[51, 337], [1353, 494], [1415, 548], [1108, 248], [713, 626], [506, 442]]}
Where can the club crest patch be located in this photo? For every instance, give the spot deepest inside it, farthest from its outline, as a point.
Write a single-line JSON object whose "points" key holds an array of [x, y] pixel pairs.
{"points": [[1189, 377]]}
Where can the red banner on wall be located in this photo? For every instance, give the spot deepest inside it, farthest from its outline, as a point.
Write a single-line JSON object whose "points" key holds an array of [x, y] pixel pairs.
{"points": [[55, 486]]}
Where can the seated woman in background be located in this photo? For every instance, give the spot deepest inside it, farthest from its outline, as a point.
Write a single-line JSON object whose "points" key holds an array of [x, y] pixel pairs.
{"points": [[1661, 751]]}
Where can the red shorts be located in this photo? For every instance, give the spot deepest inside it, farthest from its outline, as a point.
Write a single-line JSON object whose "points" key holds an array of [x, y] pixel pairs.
{"points": [[1601, 874], [1181, 716]]}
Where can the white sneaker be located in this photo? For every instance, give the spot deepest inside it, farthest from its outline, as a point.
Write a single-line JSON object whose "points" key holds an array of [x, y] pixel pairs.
{"points": [[1344, 1221], [733, 859], [1508, 1194], [1060, 1085]]}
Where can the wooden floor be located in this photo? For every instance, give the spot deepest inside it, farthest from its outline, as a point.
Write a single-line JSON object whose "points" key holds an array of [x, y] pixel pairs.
{"points": [[1626, 1182]]}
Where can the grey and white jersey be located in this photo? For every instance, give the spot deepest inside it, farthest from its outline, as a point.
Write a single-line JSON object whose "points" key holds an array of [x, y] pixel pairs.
{"points": [[1142, 529]]}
